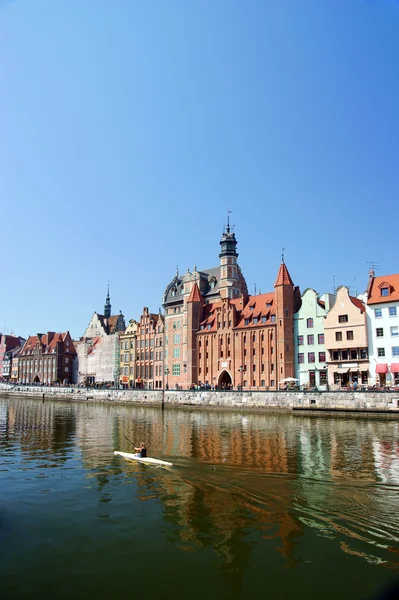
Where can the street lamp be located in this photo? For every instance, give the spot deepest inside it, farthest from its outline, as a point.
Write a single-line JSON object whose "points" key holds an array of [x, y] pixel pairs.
{"points": [[167, 373]]}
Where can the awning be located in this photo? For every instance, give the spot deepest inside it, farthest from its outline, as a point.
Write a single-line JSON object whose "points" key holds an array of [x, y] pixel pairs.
{"points": [[395, 368], [354, 370], [342, 370], [381, 368]]}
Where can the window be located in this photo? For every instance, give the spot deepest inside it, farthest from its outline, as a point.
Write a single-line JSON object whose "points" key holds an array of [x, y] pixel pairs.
{"points": [[381, 351], [246, 321], [273, 318], [322, 357], [394, 331], [379, 332], [353, 354], [309, 323], [300, 340], [384, 291], [345, 355], [255, 320], [338, 336], [323, 377], [311, 357], [176, 369], [301, 358], [262, 383], [320, 338], [176, 352], [263, 319], [310, 340], [342, 318], [392, 311], [176, 338], [378, 313], [395, 350], [335, 354], [349, 335], [209, 326], [363, 353]]}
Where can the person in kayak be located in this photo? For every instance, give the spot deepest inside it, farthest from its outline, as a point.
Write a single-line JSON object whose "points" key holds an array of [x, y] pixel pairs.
{"points": [[142, 451]]}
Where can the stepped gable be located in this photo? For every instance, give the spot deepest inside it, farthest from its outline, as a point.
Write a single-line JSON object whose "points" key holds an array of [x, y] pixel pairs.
{"points": [[283, 276]]}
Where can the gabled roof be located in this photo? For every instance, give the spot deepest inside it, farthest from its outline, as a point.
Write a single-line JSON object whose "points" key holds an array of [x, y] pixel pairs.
{"points": [[384, 281], [357, 303], [283, 276], [256, 307]]}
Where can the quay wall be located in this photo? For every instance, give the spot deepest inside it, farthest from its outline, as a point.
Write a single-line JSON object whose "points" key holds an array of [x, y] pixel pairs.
{"points": [[346, 401]]}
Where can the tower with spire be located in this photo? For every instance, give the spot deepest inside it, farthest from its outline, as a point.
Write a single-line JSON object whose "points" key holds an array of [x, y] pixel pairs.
{"points": [[285, 293], [107, 306], [230, 285]]}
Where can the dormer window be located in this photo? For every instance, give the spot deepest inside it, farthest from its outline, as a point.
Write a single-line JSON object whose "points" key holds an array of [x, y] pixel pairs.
{"points": [[384, 291], [246, 321], [268, 304], [252, 307]]}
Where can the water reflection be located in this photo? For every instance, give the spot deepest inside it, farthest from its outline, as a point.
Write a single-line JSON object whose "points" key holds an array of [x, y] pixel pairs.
{"points": [[239, 481]]}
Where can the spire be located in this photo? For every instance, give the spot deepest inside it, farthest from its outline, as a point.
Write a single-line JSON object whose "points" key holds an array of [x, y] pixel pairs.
{"points": [[283, 276], [195, 295], [107, 306]]}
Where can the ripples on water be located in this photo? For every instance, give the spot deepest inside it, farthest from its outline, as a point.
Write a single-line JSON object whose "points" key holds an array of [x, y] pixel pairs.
{"points": [[274, 480]]}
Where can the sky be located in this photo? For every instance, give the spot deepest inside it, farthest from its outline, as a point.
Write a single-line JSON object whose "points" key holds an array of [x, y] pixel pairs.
{"points": [[128, 129]]}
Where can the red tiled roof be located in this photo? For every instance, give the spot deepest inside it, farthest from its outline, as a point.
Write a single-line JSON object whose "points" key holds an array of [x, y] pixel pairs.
{"points": [[195, 294], [357, 303], [389, 281], [260, 309], [283, 276]]}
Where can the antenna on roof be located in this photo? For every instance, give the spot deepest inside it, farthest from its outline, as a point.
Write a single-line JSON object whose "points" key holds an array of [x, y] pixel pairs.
{"points": [[374, 266], [333, 284], [255, 289]]}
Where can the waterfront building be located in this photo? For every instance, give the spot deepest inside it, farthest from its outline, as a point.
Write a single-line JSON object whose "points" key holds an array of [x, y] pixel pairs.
{"points": [[149, 350], [247, 342], [47, 359], [219, 336], [98, 353], [383, 328], [8, 342], [181, 316], [9, 374], [345, 333], [128, 345], [310, 348]]}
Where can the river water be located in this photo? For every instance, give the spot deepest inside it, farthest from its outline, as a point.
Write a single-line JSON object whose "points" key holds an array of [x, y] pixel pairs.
{"points": [[257, 504]]}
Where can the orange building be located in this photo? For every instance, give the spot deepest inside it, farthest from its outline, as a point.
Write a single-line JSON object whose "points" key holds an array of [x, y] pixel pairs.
{"points": [[219, 336]]}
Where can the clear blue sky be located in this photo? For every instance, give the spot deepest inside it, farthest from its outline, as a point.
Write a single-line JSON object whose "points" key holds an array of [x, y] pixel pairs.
{"points": [[128, 128]]}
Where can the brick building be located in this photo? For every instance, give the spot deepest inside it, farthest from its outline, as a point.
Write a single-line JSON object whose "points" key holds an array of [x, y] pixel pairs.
{"points": [[218, 335], [149, 351], [47, 358]]}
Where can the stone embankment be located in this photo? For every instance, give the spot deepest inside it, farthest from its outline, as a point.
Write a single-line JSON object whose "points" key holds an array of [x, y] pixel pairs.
{"points": [[359, 401]]}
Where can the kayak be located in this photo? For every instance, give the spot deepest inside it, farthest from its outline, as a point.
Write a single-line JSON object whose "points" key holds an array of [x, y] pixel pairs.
{"points": [[146, 461]]}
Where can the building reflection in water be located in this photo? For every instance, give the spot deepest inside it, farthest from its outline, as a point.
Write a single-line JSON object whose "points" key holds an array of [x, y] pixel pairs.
{"points": [[238, 479]]}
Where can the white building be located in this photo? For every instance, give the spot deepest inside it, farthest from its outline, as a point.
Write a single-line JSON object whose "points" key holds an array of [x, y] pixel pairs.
{"points": [[383, 328]]}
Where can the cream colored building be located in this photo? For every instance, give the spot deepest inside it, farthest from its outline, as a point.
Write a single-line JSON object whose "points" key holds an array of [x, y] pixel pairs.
{"points": [[345, 335], [128, 345]]}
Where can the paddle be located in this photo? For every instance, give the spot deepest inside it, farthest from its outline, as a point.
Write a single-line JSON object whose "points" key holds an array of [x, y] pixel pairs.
{"points": [[129, 441]]}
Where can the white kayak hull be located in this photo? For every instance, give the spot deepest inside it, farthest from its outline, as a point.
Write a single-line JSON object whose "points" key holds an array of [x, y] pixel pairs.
{"points": [[146, 461]]}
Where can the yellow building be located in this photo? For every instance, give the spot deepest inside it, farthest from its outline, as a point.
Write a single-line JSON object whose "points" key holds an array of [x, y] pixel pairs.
{"points": [[128, 340]]}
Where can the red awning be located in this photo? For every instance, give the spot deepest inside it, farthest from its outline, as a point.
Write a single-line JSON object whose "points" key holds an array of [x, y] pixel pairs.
{"points": [[395, 368], [381, 368]]}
